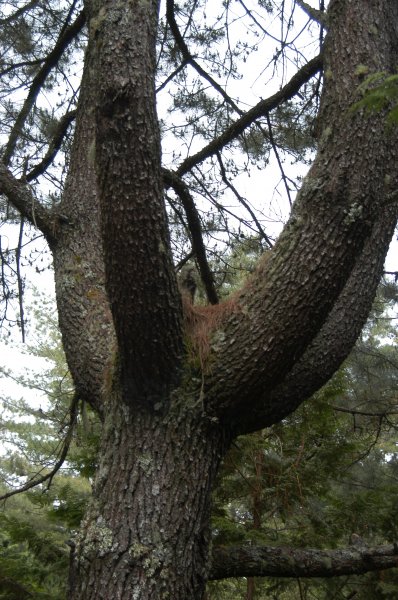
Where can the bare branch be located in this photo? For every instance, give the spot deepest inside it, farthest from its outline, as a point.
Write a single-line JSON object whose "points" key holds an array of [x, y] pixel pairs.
{"points": [[188, 58], [278, 159], [270, 561], [260, 110], [171, 76], [243, 201], [53, 147], [352, 411], [25, 63], [19, 279], [19, 12], [198, 247]]}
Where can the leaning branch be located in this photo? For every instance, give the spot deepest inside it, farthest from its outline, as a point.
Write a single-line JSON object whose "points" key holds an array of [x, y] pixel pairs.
{"points": [[53, 147], [260, 110], [181, 189], [269, 561], [21, 197]]}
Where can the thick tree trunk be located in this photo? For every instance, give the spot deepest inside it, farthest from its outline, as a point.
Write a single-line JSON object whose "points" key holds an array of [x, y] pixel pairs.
{"points": [[146, 534]]}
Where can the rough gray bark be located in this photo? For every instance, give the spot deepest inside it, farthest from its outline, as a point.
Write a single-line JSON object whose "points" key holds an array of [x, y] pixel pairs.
{"points": [[146, 534], [146, 311], [84, 314]]}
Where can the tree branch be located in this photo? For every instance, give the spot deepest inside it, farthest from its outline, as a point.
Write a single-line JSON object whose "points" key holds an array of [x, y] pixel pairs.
{"points": [[328, 289], [313, 13], [19, 12], [244, 203], [340, 331], [260, 110], [53, 147], [21, 196], [198, 247], [67, 35], [188, 58], [270, 561]]}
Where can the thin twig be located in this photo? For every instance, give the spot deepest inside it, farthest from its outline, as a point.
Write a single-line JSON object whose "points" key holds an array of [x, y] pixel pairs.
{"points": [[278, 159], [189, 59], [19, 279]]}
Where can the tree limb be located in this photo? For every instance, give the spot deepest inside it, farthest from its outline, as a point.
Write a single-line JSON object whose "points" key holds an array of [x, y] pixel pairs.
{"points": [[53, 147], [341, 329], [21, 196], [270, 561], [310, 345], [313, 13], [260, 110], [198, 247]]}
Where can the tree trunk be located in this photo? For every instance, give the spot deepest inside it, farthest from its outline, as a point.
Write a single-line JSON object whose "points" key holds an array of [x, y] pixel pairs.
{"points": [[146, 534]]}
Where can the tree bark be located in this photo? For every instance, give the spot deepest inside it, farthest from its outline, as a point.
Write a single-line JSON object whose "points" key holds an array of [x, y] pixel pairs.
{"points": [[146, 534], [167, 423], [85, 318], [269, 561], [323, 256], [147, 311]]}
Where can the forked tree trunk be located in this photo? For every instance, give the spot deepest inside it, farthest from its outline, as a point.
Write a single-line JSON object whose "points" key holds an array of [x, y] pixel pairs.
{"points": [[146, 534], [168, 418]]}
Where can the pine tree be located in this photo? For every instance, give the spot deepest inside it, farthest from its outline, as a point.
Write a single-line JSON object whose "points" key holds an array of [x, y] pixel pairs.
{"points": [[174, 388]]}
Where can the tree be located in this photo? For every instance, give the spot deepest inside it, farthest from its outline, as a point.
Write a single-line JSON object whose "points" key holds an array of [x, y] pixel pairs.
{"points": [[173, 386]]}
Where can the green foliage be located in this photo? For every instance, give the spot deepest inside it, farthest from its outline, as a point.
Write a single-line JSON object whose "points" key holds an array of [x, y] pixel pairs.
{"points": [[34, 555], [380, 92], [35, 527]]}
